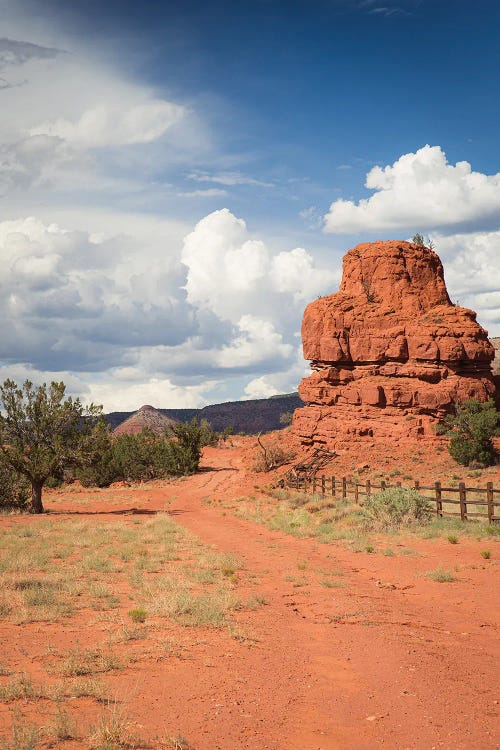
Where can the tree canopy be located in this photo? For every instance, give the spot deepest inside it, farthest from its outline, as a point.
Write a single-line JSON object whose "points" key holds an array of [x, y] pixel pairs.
{"points": [[471, 429], [42, 433]]}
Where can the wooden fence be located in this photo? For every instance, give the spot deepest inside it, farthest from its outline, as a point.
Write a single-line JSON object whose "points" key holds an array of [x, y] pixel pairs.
{"points": [[472, 502]]}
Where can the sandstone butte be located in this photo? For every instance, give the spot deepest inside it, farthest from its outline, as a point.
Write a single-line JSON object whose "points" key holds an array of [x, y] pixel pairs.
{"points": [[389, 351]]}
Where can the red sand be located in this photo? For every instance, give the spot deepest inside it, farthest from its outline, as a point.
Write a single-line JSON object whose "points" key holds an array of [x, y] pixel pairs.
{"points": [[392, 660]]}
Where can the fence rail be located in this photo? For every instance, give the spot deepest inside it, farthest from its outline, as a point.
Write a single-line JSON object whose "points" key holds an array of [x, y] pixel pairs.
{"points": [[484, 499]]}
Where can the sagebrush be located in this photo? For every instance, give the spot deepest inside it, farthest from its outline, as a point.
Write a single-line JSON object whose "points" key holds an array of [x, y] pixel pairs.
{"points": [[395, 508]]}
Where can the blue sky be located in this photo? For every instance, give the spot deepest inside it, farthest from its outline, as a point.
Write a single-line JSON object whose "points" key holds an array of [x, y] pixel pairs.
{"points": [[178, 179]]}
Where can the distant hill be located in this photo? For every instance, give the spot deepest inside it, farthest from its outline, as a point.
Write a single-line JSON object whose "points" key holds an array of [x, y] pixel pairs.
{"points": [[496, 362], [146, 416], [251, 417]]}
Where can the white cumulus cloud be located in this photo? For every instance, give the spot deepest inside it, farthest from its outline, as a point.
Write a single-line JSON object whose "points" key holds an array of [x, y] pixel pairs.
{"points": [[472, 272], [232, 274], [420, 191]]}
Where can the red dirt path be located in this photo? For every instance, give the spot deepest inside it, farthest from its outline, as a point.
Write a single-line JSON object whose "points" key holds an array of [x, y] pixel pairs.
{"points": [[392, 660]]}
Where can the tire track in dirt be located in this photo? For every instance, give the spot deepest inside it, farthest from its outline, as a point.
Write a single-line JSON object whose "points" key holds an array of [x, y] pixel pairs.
{"points": [[372, 664]]}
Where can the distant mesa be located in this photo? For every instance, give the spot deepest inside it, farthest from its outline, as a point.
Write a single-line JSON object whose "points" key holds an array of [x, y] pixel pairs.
{"points": [[389, 351], [146, 417], [250, 417]]}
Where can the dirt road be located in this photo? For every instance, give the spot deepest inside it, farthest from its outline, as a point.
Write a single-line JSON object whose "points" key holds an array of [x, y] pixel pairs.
{"points": [[346, 651], [388, 659]]}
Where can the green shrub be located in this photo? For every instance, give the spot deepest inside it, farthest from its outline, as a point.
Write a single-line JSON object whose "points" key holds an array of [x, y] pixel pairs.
{"points": [[14, 489], [395, 508], [185, 448], [471, 429], [138, 615], [441, 576], [149, 455]]}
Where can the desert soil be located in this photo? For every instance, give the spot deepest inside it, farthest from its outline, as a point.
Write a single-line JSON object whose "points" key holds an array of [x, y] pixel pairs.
{"points": [[387, 659]]}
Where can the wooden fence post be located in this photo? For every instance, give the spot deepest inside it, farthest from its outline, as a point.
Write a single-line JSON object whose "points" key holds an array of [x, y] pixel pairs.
{"points": [[314, 485], [417, 485], [439, 504], [344, 488], [333, 486], [383, 485], [368, 488], [489, 500], [463, 501], [356, 493], [323, 485]]}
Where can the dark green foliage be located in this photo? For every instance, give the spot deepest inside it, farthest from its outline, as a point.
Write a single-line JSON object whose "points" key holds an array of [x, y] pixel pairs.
{"points": [[14, 489], [189, 439], [419, 239], [42, 433], [137, 457], [149, 455], [471, 429], [208, 436]]}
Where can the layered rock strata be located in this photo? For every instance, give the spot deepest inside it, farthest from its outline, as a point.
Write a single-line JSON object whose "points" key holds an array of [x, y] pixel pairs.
{"points": [[390, 353]]}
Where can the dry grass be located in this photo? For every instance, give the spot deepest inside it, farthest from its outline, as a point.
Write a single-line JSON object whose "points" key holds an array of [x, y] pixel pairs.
{"points": [[330, 520], [113, 731], [67, 571], [79, 662]]}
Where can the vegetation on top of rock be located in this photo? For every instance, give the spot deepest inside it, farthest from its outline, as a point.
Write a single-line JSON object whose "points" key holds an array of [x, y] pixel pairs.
{"points": [[419, 239], [471, 429]]}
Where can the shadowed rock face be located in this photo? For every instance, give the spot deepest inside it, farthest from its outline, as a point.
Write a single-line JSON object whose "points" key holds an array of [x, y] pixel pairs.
{"points": [[390, 353]]}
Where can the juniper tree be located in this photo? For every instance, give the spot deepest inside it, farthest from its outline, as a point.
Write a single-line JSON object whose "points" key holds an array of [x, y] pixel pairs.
{"points": [[42, 433], [471, 429]]}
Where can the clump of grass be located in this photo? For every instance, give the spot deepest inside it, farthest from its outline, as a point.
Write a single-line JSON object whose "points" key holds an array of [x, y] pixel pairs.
{"points": [[80, 662], [21, 688], [452, 538], [171, 598], [441, 576], [395, 508], [369, 548], [332, 584], [138, 614], [23, 735], [493, 530], [486, 554], [112, 732], [134, 633], [86, 688], [63, 726], [179, 743]]}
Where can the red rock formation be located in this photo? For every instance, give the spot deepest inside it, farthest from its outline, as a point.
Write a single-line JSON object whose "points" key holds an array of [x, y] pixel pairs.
{"points": [[390, 353]]}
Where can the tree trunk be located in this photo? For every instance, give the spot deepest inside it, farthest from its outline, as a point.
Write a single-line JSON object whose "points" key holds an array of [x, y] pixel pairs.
{"points": [[36, 497]]}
